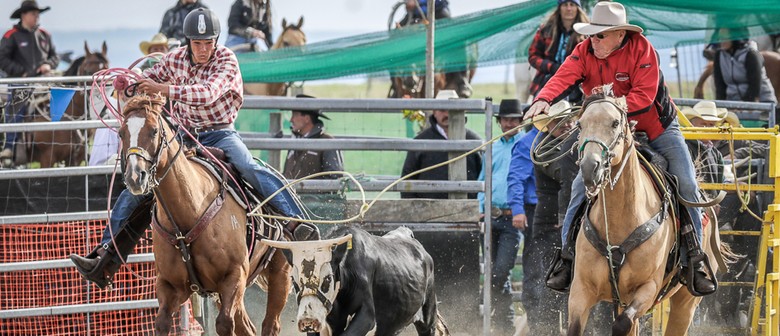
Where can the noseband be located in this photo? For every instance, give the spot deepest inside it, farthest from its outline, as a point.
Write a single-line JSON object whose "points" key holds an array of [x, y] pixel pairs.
{"points": [[607, 151]]}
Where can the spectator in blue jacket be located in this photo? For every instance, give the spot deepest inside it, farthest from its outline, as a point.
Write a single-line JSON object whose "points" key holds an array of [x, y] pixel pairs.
{"points": [[505, 238]]}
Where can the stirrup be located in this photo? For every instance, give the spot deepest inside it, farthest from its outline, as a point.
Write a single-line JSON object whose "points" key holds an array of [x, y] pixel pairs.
{"points": [[557, 267], [693, 261]]}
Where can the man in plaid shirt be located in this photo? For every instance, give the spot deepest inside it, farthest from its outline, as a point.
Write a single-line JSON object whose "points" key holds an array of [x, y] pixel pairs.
{"points": [[205, 82]]}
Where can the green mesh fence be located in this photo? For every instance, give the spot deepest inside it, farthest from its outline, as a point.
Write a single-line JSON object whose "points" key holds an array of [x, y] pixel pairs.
{"points": [[499, 36]]}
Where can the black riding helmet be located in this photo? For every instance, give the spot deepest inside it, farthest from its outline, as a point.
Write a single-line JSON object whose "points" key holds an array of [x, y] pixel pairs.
{"points": [[201, 24]]}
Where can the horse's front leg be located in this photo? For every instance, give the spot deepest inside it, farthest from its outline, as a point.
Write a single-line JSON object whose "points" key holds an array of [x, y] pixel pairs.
{"points": [[170, 299], [231, 294], [642, 301], [278, 275], [579, 307]]}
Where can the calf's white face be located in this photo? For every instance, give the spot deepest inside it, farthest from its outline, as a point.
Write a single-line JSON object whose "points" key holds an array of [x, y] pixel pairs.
{"points": [[313, 279]]}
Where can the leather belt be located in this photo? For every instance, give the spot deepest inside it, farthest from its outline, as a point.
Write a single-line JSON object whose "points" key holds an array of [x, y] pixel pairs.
{"points": [[212, 128], [498, 212]]}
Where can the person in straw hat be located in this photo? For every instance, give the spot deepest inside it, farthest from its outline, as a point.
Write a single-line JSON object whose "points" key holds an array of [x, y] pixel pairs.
{"points": [[158, 44], [26, 50], [616, 52]]}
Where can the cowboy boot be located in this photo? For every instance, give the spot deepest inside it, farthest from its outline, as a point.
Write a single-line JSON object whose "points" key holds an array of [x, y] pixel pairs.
{"points": [[698, 275], [302, 231], [98, 267], [560, 274]]}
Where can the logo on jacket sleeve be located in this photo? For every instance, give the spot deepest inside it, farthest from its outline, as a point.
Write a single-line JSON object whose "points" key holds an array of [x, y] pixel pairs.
{"points": [[622, 76]]}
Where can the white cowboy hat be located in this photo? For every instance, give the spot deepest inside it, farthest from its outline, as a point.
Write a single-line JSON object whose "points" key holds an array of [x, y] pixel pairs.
{"points": [[606, 16], [542, 120], [157, 39], [706, 110], [731, 118], [447, 94]]}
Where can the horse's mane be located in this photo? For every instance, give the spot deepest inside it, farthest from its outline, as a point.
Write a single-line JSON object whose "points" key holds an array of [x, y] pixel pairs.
{"points": [[73, 69], [153, 103], [604, 93]]}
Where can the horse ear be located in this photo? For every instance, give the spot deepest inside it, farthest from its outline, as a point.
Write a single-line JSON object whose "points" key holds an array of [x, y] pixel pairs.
{"points": [[104, 50], [86, 49], [300, 23], [284, 23]]}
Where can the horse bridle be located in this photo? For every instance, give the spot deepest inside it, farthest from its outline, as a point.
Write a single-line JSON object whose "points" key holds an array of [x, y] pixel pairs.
{"points": [[155, 161], [607, 150]]}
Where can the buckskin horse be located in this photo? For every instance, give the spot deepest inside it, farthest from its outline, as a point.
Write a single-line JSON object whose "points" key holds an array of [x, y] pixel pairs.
{"points": [[291, 36], [191, 203], [624, 198], [52, 147]]}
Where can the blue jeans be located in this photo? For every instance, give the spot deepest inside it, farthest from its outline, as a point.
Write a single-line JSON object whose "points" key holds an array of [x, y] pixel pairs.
{"points": [[234, 40], [671, 145], [505, 242], [16, 108], [261, 178]]}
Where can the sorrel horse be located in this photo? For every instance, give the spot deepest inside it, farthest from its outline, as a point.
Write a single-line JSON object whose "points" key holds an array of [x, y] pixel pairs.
{"points": [[291, 36], [52, 147], [183, 193], [623, 198], [771, 64]]}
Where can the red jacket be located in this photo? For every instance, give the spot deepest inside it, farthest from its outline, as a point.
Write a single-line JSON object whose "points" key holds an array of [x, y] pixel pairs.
{"points": [[634, 71]]}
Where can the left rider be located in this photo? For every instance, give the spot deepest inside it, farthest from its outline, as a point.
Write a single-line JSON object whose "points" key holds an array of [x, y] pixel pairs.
{"points": [[206, 85], [26, 50], [617, 52]]}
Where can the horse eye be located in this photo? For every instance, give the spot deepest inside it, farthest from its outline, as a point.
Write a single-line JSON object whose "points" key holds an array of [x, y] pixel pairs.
{"points": [[325, 286], [615, 123], [155, 131]]}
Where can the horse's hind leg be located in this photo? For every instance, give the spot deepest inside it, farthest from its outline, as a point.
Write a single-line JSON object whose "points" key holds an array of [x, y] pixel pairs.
{"points": [[643, 300], [278, 274], [682, 307], [579, 307], [170, 300]]}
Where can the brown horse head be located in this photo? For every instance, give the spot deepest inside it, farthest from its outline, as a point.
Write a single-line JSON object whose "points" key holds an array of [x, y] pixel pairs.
{"points": [[291, 36], [604, 136], [93, 61], [144, 136]]}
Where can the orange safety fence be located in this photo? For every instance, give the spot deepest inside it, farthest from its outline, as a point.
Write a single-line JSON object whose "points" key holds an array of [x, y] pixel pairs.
{"points": [[64, 286]]}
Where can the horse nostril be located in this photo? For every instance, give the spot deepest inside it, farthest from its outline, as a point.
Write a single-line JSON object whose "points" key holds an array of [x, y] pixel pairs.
{"points": [[143, 176], [596, 167]]}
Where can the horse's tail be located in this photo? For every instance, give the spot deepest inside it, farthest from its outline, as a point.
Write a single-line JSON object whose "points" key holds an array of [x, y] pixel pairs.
{"points": [[441, 326]]}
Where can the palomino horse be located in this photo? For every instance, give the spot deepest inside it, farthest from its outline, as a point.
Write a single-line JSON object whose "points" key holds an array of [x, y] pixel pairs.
{"points": [[291, 36], [771, 64], [624, 198], [52, 147], [220, 259]]}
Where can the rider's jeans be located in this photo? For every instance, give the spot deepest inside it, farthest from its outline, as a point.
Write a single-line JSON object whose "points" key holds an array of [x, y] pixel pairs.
{"points": [[671, 145], [16, 109], [235, 40], [261, 178]]}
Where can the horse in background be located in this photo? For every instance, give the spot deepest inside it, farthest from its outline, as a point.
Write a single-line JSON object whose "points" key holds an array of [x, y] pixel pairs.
{"points": [[189, 198], [291, 36], [53, 147], [621, 203]]}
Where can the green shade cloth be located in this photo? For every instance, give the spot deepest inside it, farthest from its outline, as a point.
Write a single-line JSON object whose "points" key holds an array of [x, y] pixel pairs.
{"points": [[498, 36]]}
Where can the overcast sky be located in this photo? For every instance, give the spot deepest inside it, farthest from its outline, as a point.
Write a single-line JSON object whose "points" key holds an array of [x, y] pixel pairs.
{"points": [[319, 15]]}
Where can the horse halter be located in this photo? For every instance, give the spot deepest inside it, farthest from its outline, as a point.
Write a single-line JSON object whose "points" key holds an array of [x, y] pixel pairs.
{"points": [[142, 153], [607, 151]]}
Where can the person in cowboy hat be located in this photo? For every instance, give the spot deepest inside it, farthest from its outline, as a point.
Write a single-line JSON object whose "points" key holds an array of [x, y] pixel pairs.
{"points": [[704, 114], [506, 237], [617, 52], [158, 44], [553, 188], [26, 50], [306, 124]]}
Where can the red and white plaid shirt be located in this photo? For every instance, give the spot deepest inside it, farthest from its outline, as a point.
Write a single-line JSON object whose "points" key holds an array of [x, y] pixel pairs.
{"points": [[205, 94]]}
